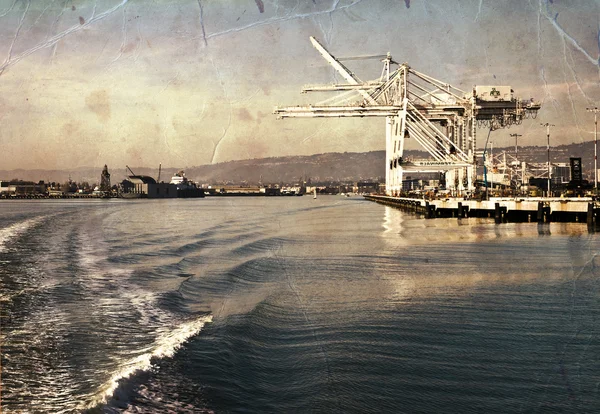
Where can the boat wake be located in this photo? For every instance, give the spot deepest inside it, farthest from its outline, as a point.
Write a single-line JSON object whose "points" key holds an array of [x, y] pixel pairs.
{"points": [[165, 346], [15, 230]]}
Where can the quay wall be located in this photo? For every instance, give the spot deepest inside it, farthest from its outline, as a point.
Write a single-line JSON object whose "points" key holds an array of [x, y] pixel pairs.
{"points": [[501, 209]]}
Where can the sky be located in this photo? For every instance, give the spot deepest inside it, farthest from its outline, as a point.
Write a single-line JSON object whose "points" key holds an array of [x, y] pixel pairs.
{"points": [[186, 83]]}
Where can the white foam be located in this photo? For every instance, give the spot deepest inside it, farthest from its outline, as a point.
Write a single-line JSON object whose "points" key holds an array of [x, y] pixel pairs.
{"points": [[166, 344], [14, 230]]}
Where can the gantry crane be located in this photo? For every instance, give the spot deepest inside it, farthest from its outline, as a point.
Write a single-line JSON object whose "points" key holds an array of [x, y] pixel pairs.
{"points": [[440, 117]]}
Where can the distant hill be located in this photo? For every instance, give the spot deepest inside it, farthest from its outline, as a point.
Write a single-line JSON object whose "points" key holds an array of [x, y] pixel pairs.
{"points": [[347, 166]]}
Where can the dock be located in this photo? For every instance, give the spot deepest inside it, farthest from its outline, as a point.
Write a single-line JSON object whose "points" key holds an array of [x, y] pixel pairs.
{"points": [[501, 209]]}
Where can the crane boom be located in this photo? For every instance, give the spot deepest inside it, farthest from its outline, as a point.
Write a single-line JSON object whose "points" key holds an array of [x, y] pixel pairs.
{"points": [[342, 70]]}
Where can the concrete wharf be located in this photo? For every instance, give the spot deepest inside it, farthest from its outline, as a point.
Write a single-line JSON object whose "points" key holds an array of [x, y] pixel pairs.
{"points": [[501, 209]]}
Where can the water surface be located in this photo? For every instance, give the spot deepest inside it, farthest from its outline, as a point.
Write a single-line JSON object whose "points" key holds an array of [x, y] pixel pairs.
{"points": [[290, 304]]}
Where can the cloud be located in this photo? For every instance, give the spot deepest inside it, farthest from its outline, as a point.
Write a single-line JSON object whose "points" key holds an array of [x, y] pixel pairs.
{"points": [[193, 83]]}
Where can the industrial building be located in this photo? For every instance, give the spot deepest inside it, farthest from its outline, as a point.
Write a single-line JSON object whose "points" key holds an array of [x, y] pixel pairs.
{"points": [[22, 188], [143, 186]]}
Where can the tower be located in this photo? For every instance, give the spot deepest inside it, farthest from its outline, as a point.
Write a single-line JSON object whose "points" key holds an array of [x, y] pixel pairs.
{"points": [[105, 179]]}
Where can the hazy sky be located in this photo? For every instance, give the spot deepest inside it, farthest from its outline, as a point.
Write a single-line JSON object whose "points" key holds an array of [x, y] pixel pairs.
{"points": [[182, 83]]}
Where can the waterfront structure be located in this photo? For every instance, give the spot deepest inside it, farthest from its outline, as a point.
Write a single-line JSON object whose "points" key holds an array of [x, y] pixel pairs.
{"points": [[442, 118], [143, 186], [105, 180], [502, 209], [185, 187], [22, 188], [366, 187], [561, 172]]}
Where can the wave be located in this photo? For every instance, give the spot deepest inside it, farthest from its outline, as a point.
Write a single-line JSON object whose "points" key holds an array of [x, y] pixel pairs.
{"points": [[165, 346], [15, 230], [261, 246]]}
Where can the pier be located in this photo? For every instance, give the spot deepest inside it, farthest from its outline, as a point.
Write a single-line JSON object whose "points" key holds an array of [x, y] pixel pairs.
{"points": [[501, 209]]}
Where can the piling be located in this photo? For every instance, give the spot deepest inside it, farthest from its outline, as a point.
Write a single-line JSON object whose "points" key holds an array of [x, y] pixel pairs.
{"points": [[543, 213], [502, 210], [499, 213]]}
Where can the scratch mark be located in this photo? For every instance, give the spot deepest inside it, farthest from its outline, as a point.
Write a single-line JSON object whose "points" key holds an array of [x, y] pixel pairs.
{"points": [[102, 50], [569, 89], [330, 26], [565, 35], [54, 24], [226, 129], [295, 7], [334, 7], [212, 160], [328, 34], [599, 48], [56, 38], [136, 53], [15, 38], [9, 9], [540, 54], [308, 138], [123, 37], [248, 98], [202, 111], [169, 83], [282, 19], [570, 65], [478, 11], [202, 23], [36, 21]]}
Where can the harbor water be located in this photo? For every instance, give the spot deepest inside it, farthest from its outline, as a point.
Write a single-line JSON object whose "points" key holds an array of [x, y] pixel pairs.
{"points": [[292, 304]]}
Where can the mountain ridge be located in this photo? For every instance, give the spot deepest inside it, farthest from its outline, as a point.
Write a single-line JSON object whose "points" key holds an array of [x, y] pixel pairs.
{"points": [[332, 166]]}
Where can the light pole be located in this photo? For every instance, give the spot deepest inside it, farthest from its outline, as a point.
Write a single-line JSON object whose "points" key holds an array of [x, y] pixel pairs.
{"points": [[595, 111], [547, 125], [516, 160], [516, 136], [485, 166]]}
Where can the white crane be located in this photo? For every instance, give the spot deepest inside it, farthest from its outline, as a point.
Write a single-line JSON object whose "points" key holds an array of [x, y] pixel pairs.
{"points": [[441, 118]]}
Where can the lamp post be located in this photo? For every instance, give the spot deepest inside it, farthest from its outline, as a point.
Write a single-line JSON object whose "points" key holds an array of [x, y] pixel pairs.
{"points": [[595, 111], [516, 159], [485, 166], [516, 136], [547, 125]]}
